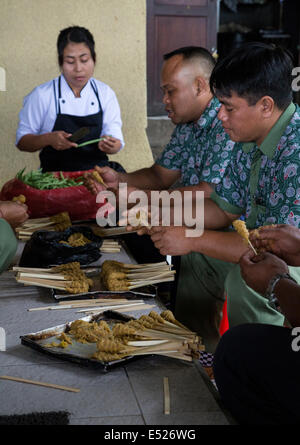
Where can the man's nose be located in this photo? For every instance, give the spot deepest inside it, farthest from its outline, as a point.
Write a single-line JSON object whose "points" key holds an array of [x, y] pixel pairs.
{"points": [[222, 114]]}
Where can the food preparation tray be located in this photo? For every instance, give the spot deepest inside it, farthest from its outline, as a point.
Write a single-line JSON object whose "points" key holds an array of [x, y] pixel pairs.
{"points": [[78, 353], [98, 290]]}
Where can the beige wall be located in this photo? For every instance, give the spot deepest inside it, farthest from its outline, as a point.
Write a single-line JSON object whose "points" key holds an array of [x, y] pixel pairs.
{"points": [[28, 33]]}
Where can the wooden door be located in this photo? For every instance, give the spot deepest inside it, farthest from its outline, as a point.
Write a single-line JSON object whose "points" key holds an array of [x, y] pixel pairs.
{"points": [[172, 24]]}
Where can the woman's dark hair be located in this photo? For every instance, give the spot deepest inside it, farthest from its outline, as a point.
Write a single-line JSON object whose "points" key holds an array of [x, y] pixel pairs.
{"points": [[75, 34], [255, 70]]}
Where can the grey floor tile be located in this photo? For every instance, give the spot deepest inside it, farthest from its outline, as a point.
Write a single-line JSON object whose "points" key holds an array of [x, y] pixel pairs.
{"points": [[188, 392], [188, 418], [100, 395]]}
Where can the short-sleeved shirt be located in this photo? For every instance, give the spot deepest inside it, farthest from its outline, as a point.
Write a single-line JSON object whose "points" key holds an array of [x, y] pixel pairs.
{"points": [[39, 111], [201, 150], [263, 183]]}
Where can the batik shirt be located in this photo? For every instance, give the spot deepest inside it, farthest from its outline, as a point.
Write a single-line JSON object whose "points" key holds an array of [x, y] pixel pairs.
{"points": [[263, 183], [201, 151]]}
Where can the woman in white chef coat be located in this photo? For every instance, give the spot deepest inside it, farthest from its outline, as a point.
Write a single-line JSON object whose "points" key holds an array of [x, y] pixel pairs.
{"points": [[53, 111]]}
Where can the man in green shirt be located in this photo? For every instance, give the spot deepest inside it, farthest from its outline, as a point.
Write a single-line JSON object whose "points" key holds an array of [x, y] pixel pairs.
{"points": [[261, 183]]}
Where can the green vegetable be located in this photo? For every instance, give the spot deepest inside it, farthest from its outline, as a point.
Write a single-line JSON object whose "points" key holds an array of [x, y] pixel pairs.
{"points": [[90, 142], [47, 181]]}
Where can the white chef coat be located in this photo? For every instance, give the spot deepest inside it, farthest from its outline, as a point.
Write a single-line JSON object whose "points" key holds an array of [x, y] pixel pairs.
{"points": [[39, 110]]}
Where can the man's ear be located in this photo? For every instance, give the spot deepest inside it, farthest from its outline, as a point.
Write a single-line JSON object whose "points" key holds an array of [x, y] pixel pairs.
{"points": [[267, 106], [201, 85]]}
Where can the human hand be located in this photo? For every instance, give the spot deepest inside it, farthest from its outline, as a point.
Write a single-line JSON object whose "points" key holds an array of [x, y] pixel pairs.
{"points": [[136, 218], [171, 240], [15, 213], [110, 178], [283, 240], [59, 140], [109, 144], [257, 270]]}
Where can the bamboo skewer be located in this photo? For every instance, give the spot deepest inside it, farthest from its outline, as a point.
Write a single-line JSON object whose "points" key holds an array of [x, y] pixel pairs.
{"points": [[34, 382], [110, 246], [61, 221], [97, 301], [134, 338], [83, 305], [118, 276], [166, 396], [113, 307], [240, 227], [67, 277], [148, 283]]}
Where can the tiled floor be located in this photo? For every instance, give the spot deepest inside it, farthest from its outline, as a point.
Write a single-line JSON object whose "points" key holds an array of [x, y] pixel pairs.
{"points": [[127, 395]]}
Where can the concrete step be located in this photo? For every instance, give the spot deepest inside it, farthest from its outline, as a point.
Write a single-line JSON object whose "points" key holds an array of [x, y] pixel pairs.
{"points": [[159, 131]]}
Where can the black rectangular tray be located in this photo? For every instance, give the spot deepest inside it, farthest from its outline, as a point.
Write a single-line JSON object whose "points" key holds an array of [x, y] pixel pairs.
{"points": [[80, 352], [98, 291]]}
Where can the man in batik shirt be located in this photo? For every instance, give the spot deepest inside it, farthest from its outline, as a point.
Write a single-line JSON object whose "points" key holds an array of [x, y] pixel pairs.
{"points": [[253, 85], [199, 150]]}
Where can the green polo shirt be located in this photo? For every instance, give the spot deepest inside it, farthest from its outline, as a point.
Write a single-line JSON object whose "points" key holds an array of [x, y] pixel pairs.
{"points": [[262, 183]]}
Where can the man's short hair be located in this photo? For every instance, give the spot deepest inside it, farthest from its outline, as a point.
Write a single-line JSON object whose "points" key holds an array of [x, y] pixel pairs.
{"points": [[255, 70], [194, 53]]}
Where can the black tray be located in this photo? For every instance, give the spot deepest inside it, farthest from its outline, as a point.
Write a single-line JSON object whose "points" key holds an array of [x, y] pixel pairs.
{"points": [[37, 339]]}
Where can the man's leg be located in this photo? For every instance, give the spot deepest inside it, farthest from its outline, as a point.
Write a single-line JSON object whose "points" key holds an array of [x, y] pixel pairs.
{"points": [[200, 296], [8, 245], [257, 374]]}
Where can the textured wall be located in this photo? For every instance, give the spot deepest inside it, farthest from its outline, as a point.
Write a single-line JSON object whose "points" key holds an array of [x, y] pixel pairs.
{"points": [[28, 33]]}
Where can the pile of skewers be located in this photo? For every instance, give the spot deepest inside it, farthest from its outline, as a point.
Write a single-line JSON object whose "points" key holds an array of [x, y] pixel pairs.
{"points": [[116, 276], [154, 333], [66, 277], [110, 246], [59, 222], [97, 305]]}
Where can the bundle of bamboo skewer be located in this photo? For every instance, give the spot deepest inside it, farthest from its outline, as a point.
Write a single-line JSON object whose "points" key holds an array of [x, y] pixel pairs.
{"points": [[59, 222], [66, 277], [117, 276], [154, 333], [97, 305], [110, 246]]}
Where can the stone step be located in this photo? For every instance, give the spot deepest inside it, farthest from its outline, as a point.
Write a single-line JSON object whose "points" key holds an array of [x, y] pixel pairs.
{"points": [[159, 131]]}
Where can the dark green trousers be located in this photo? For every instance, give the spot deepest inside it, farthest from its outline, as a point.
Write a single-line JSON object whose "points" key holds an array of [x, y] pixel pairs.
{"points": [[202, 285], [8, 245]]}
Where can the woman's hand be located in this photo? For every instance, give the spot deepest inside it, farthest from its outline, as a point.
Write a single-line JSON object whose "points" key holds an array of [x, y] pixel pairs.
{"points": [[59, 140], [257, 270], [283, 240], [109, 144]]}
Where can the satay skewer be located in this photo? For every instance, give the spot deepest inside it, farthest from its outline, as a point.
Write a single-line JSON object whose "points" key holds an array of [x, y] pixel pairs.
{"points": [[240, 227]]}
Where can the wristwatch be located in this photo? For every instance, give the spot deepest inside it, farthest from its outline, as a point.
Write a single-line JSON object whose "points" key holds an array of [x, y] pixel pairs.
{"points": [[270, 294]]}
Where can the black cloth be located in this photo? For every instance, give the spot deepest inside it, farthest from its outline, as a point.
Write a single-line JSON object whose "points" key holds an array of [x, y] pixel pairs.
{"points": [[76, 158], [50, 418], [257, 374]]}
